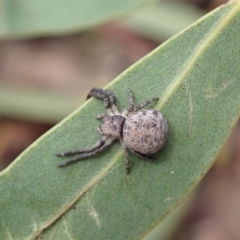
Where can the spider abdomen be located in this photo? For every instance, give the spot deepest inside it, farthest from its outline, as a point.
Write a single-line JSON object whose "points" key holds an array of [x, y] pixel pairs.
{"points": [[145, 131]]}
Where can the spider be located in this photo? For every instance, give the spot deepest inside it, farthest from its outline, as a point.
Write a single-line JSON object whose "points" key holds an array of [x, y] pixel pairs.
{"points": [[142, 132]]}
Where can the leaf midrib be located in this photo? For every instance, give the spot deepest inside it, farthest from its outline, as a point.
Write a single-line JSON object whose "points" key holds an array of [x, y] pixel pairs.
{"points": [[200, 50], [107, 169]]}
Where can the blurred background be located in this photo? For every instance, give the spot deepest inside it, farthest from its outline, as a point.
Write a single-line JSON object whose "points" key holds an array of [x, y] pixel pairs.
{"points": [[53, 52]]}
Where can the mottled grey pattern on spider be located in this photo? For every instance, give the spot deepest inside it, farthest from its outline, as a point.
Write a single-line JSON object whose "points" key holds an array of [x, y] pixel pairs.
{"points": [[141, 132]]}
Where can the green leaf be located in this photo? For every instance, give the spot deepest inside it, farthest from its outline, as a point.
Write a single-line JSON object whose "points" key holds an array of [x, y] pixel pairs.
{"points": [[167, 228], [26, 18], [197, 77]]}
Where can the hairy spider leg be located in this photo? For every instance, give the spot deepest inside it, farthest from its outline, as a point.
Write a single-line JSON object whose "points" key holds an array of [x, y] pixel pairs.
{"points": [[107, 96], [144, 104], [88, 154], [131, 101], [130, 109], [99, 129], [127, 159], [103, 96], [97, 145], [102, 115], [112, 100]]}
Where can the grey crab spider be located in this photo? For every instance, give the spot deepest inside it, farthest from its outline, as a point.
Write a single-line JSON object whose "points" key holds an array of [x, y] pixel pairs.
{"points": [[142, 132]]}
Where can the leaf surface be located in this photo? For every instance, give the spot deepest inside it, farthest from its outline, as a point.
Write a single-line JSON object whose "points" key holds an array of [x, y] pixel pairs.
{"points": [[196, 74]]}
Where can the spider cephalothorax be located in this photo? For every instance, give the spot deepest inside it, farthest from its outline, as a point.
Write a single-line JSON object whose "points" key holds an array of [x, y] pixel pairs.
{"points": [[141, 132]]}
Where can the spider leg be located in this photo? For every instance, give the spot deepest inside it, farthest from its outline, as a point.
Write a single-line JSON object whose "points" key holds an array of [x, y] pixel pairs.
{"points": [[87, 154], [144, 104], [127, 159], [97, 145], [131, 104], [103, 96], [99, 129], [107, 96], [141, 155], [113, 100], [131, 101], [102, 115]]}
